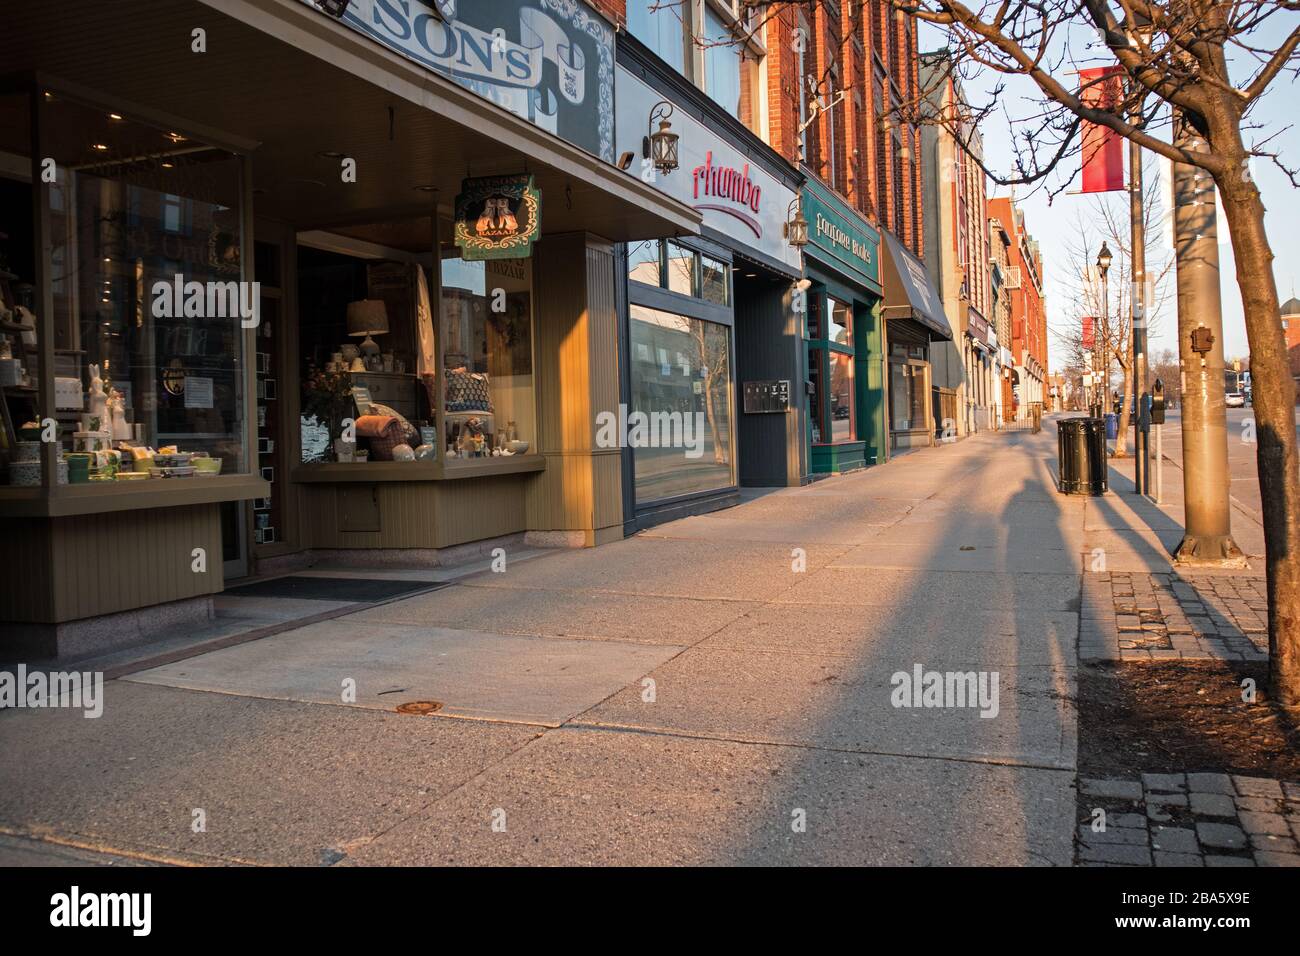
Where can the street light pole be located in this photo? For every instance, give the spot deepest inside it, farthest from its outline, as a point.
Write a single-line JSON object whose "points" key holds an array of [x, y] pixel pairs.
{"points": [[1101, 336], [1207, 537]]}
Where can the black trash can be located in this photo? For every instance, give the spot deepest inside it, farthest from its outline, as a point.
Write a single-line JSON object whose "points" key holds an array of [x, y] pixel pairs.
{"points": [[1081, 455]]}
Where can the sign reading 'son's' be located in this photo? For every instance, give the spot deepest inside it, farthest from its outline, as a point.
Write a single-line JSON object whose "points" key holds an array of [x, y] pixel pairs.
{"points": [[548, 61]]}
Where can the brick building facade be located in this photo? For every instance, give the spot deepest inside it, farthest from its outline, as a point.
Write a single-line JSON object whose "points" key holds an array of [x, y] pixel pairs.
{"points": [[863, 48], [1028, 316]]}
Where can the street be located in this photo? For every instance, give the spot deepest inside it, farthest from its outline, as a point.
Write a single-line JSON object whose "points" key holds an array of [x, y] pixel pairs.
{"points": [[718, 690], [1242, 469]]}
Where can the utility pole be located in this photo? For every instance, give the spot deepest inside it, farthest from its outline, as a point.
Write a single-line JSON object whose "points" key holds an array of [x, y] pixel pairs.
{"points": [[1207, 537]]}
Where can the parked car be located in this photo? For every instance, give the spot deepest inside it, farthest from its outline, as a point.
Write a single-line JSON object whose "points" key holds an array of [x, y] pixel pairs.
{"points": [[1235, 400]]}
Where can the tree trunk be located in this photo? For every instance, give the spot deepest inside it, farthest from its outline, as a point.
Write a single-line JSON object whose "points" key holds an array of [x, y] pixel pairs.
{"points": [[1275, 421], [1121, 440]]}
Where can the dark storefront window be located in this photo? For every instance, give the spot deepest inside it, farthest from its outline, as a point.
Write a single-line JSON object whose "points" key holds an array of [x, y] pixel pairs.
{"points": [[681, 386], [150, 310], [907, 388]]}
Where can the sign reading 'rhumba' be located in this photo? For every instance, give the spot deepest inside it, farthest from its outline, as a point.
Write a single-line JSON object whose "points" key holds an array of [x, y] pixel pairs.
{"points": [[548, 61]]}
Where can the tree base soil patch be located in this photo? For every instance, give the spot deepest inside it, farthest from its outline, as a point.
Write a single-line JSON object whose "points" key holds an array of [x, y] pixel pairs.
{"points": [[1152, 717]]}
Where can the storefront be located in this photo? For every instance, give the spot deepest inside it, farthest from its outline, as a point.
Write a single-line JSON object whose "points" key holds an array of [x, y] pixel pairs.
{"points": [[914, 319], [711, 398], [979, 347], [245, 332], [843, 338]]}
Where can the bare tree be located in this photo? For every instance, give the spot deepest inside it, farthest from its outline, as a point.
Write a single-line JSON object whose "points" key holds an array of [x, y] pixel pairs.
{"points": [[1191, 72], [1198, 65]]}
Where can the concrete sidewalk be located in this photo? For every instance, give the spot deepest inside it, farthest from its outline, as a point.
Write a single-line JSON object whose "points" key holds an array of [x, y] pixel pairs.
{"points": [[716, 690]]}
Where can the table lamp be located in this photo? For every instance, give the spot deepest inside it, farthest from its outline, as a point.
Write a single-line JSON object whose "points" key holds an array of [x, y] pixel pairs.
{"points": [[367, 317]]}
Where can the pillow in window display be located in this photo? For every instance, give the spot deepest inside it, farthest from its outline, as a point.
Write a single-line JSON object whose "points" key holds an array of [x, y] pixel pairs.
{"points": [[409, 432], [468, 391], [383, 433]]}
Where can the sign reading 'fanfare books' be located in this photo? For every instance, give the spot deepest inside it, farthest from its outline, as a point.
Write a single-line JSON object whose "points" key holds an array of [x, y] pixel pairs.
{"points": [[548, 61], [498, 217]]}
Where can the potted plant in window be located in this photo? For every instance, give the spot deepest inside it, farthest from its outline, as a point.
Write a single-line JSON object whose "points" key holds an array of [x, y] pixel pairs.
{"points": [[327, 397]]}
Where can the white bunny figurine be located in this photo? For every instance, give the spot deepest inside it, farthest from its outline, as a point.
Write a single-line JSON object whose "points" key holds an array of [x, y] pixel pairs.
{"points": [[98, 400]]}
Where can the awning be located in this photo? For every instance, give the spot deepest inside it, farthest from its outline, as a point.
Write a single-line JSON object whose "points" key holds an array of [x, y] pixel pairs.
{"points": [[909, 292], [304, 88]]}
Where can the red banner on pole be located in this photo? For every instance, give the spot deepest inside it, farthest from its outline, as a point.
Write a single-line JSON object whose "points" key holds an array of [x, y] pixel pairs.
{"points": [[1089, 333], [1103, 148]]}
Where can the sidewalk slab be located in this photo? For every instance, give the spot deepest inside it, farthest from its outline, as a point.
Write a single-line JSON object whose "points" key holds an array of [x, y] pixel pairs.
{"points": [[591, 797], [470, 673], [552, 612], [279, 782]]}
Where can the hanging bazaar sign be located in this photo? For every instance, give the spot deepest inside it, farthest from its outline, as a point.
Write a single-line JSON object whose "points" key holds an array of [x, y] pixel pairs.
{"points": [[498, 217], [548, 61]]}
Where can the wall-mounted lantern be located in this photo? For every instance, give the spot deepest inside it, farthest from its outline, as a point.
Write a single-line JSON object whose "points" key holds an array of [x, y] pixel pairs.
{"points": [[796, 226], [661, 145], [335, 8]]}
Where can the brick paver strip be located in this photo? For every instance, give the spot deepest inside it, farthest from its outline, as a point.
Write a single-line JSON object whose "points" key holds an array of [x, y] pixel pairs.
{"points": [[1178, 859], [1257, 804], [1228, 861], [1265, 858], [1117, 853], [1273, 823], [1212, 805], [1165, 782], [1210, 783], [1258, 787], [1174, 840], [1118, 789], [1146, 610], [1223, 835], [1126, 820]]}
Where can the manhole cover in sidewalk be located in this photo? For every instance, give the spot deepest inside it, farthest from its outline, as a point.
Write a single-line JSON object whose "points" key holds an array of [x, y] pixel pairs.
{"points": [[419, 708], [354, 590]]}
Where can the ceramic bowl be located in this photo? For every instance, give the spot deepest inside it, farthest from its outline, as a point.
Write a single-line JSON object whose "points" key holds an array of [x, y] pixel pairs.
{"points": [[517, 446]]}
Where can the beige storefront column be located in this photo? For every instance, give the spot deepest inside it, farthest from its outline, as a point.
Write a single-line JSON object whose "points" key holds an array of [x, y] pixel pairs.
{"points": [[577, 501]]}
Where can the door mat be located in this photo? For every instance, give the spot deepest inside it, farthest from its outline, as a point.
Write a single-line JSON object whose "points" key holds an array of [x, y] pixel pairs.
{"points": [[354, 590]]}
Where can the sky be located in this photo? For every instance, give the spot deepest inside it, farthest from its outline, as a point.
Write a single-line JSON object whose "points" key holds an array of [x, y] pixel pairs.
{"points": [[1054, 221]]}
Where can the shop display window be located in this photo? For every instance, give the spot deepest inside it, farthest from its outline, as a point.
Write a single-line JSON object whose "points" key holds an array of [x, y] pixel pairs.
{"points": [[361, 325], [681, 423], [20, 409], [150, 310], [487, 359]]}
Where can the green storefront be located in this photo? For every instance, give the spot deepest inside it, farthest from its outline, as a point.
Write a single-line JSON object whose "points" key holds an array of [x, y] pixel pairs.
{"points": [[845, 407]]}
